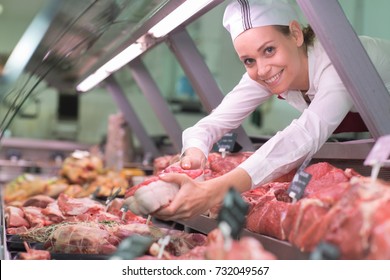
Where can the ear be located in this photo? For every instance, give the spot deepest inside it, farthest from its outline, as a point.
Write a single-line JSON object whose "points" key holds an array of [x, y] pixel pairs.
{"points": [[296, 32]]}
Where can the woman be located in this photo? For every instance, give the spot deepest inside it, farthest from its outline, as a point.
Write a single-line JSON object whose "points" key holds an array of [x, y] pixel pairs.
{"points": [[280, 59]]}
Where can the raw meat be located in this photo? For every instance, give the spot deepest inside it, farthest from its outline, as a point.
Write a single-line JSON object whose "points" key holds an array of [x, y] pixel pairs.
{"points": [[267, 214], [15, 217], [39, 201], [153, 194], [247, 248], [358, 224], [219, 165], [79, 238], [35, 217], [33, 254], [76, 206], [272, 213]]}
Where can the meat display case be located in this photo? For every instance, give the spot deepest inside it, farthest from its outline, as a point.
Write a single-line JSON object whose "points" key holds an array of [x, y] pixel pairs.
{"points": [[11, 245]]}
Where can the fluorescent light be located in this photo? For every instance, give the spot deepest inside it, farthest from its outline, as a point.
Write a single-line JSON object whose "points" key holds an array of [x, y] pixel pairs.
{"points": [[178, 16], [123, 58], [111, 66], [92, 80], [166, 25]]}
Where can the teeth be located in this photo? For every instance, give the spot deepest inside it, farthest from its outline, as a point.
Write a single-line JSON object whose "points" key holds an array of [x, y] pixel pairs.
{"points": [[272, 79]]}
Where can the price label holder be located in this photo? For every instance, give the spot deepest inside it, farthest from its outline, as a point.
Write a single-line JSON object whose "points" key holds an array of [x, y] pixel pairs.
{"points": [[379, 156], [95, 194], [225, 144], [113, 195], [299, 182], [132, 247], [232, 216], [325, 251], [164, 241]]}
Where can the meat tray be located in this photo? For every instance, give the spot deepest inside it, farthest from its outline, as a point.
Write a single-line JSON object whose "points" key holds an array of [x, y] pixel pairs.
{"points": [[15, 243], [281, 249]]}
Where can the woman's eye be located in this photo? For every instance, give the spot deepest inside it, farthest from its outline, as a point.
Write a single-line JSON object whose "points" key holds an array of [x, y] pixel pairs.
{"points": [[248, 61], [269, 50]]}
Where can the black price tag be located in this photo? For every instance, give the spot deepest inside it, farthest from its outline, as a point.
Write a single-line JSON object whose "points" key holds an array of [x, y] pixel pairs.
{"points": [[299, 182], [226, 143], [298, 185], [325, 251], [233, 212], [132, 247]]}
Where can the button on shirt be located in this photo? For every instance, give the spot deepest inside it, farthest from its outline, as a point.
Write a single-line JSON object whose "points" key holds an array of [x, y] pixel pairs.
{"points": [[329, 104]]}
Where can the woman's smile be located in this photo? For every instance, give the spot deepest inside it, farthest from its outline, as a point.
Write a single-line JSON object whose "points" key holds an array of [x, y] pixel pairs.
{"points": [[274, 80]]}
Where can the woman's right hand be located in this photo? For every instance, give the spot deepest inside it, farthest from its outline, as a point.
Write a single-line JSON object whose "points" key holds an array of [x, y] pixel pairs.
{"points": [[193, 158]]}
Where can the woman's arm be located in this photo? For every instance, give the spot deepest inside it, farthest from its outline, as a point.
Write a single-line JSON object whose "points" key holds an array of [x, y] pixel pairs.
{"points": [[195, 198], [230, 113]]}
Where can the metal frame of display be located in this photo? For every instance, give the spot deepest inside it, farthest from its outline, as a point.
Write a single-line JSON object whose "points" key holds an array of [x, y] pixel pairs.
{"points": [[351, 61], [152, 93], [130, 116], [183, 47]]}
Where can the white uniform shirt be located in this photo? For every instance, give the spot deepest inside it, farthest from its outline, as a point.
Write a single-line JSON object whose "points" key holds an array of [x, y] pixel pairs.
{"points": [[330, 102]]}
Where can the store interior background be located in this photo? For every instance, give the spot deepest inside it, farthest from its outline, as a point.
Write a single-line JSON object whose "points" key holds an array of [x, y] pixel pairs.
{"points": [[40, 119]]}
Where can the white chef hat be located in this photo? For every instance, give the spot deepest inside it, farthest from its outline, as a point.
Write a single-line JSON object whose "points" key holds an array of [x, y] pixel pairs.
{"points": [[241, 15]]}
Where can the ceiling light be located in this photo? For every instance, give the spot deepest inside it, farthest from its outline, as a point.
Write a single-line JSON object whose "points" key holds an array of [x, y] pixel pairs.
{"points": [[178, 16], [111, 66], [92, 80], [123, 58], [166, 25]]}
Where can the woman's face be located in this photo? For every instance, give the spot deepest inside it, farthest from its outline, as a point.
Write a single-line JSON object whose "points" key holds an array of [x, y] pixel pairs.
{"points": [[273, 59]]}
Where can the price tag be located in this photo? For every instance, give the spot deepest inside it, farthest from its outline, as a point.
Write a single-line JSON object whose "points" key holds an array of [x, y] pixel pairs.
{"points": [[380, 152], [226, 143], [379, 156], [299, 182], [132, 247], [325, 251], [298, 185], [233, 212]]}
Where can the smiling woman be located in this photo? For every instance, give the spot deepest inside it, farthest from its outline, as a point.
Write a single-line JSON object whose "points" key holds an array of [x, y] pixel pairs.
{"points": [[280, 57], [274, 60]]}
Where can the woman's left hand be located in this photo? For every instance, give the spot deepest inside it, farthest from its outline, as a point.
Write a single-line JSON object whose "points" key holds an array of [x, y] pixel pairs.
{"points": [[194, 198]]}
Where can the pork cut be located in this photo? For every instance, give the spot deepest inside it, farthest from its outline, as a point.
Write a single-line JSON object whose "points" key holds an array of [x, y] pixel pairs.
{"points": [[81, 239], [76, 206], [14, 217], [38, 201]]}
